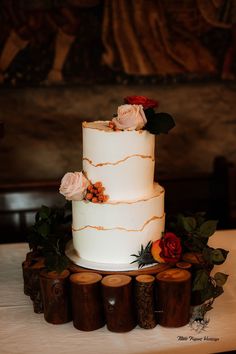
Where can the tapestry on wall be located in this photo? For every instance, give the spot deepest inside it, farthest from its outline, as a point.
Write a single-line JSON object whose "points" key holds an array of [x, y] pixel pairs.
{"points": [[51, 42]]}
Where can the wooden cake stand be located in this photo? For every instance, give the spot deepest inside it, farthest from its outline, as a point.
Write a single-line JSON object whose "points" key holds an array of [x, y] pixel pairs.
{"points": [[76, 266], [152, 270]]}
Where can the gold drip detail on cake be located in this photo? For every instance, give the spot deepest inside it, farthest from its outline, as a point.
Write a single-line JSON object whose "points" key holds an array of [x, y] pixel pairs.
{"points": [[135, 201], [119, 161], [101, 228]]}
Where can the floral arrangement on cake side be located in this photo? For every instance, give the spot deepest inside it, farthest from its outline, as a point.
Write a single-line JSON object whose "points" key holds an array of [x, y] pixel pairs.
{"points": [[185, 245], [75, 187]]}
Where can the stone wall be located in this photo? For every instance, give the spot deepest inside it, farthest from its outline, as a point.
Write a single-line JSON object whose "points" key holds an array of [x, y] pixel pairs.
{"points": [[43, 127]]}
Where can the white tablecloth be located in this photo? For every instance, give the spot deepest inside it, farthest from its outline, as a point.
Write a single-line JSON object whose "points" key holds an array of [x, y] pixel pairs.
{"points": [[24, 332]]}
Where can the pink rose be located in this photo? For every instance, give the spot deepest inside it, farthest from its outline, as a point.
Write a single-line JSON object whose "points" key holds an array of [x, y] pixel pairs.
{"points": [[74, 186], [130, 117]]}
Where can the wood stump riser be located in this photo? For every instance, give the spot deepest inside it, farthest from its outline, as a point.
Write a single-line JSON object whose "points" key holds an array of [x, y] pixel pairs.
{"points": [[121, 308]]}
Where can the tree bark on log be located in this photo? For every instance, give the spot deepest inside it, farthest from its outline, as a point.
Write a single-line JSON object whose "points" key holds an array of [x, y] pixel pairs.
{"points": [[86, 298], [173, 297], [28, 266], [31, 269], [56, 296], [144, 300], [118, 303]]}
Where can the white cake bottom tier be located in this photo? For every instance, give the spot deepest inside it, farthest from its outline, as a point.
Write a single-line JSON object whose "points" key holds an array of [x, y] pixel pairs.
{"points": [[110, 233]]}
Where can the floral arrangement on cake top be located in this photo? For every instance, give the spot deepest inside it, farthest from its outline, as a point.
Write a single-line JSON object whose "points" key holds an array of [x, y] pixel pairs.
{"points": [[138, 113], [185, 245]]}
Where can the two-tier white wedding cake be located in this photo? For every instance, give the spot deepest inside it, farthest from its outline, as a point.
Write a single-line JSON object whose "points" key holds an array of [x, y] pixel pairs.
{"points": [[118, 155]]}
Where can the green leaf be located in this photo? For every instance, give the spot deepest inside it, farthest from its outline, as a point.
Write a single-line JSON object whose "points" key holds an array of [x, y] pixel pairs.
{"points": [[189, 223], [220, 278], [224, 252], [55, 262], [206, 253], [208, 293], [149, 113], [201, 280], [159, 123], [200, 218], [217, 256], [211, 292], [44, 229], [218, 291], [44, 212], [208, 228]]}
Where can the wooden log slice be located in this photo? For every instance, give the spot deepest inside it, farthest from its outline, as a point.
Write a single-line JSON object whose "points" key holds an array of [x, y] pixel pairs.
{"points": [[184, 265], [33, 256], [144, 300], [194, 258], [118, 303], [86, 298], [157, 268], [173, 297], [56, 296]]}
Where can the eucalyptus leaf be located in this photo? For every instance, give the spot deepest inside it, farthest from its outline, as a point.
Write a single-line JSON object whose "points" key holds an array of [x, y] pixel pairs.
{"points": [[208, 228], [201, 280], [220, 278]]}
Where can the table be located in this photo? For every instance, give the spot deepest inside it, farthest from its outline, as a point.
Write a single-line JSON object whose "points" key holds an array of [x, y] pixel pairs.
{"points": [[24, 332]]}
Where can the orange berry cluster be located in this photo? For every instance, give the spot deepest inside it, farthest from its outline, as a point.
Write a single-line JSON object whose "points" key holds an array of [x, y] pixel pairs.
{"points": [[112, 126], [95, 193]]}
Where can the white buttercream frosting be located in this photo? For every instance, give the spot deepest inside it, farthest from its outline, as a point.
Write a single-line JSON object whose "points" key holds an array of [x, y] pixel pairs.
{"points": [[112, 232], [122, 160], [134, 214]]}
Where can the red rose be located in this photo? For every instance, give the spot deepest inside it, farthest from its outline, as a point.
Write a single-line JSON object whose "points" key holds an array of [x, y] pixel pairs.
{"points": [[144, 101], [171, 248]]}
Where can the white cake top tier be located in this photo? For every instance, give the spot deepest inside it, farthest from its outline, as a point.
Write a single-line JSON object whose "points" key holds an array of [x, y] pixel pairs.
{"points": [[122, 160]]}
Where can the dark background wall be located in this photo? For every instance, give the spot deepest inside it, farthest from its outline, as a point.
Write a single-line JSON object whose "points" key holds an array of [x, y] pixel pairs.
{"points": [[43, 127], [62, 62]]}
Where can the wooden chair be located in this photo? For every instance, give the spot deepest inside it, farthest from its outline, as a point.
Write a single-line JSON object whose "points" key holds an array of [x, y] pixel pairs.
{"points": [[232, 195], [1, 129], [19, 204], [214, 193], [225, 177]]}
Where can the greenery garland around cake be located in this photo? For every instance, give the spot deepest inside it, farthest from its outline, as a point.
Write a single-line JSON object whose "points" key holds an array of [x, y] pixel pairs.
{"points": [[186, 242]]}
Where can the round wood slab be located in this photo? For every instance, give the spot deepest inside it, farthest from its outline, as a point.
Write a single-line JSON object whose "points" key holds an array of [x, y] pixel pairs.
{"points": [[157, 268]]}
